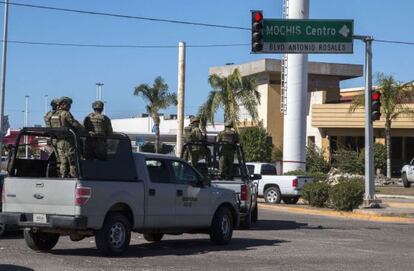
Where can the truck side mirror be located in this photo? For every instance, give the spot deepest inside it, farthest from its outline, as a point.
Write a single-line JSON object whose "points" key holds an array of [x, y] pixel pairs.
{"points": [[255, 177]]}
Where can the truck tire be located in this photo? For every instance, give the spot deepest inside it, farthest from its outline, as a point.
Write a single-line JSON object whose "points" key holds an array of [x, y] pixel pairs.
{"points": [[246, 223], [290, 200], [255, 214], [114, 237], [221, 229], [153, 237], [40, 241], [2, 229], [405, 181], [272, 195]]}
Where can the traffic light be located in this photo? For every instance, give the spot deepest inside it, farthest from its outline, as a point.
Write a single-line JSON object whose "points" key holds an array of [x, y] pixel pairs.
{"points": [[257, 26], [375, 105]]}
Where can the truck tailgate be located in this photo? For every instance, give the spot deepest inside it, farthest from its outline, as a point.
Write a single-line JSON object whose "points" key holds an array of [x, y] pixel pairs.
{"points": [[234, 185], [45, 196]]}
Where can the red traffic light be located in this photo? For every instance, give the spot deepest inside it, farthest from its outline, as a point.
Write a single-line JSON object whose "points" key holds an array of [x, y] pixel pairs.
{"points": [[376, 96], [257, 16]]}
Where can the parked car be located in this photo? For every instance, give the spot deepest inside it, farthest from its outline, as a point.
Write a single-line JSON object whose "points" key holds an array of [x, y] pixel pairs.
{"points": [[407, 174], [146, 193], [273, 187], [241, 182]]}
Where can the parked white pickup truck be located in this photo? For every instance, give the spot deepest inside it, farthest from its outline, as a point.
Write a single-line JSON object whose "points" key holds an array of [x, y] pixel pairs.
{"points": [[145, 193], [407, 174], [274, 188]]}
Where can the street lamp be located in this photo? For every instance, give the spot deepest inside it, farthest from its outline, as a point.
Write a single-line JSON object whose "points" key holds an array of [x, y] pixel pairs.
{"points": [[99, 91], [26, 121]]}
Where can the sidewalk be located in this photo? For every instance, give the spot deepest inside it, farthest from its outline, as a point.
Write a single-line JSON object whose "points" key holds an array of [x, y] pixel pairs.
{"points": [[394, 210]]}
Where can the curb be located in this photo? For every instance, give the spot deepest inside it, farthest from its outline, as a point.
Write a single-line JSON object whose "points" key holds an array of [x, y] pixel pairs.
{"points": [[331, 213], [394, 196]]}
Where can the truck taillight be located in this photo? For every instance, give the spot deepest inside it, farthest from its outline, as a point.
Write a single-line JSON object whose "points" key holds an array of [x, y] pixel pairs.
{"points": [[82, 195], [244, 192], [295, 183]]}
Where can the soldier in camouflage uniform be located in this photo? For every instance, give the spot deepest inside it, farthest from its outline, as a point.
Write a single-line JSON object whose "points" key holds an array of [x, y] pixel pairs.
{"points": [[65, 143], [99, 128], [54, 104], [54, 156], [229, 138], [192, 132]]}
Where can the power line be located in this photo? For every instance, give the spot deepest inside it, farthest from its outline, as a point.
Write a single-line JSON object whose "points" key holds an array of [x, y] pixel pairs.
{"points": [[124, 45], [127, 16], [395, 42]]}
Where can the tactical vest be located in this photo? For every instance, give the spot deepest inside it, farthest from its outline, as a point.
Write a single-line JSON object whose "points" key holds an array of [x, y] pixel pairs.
{"points": [[55, 121], [98, 123], [187, 133], [229, 137], [196, 134]]}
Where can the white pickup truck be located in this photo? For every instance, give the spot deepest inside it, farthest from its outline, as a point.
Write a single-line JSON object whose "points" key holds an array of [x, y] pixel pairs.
{"points": [[275, 188], [146, 193], [407, 174]]}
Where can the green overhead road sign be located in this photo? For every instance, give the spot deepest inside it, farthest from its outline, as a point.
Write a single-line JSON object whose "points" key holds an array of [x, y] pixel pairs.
{"points": [[307, 36]]}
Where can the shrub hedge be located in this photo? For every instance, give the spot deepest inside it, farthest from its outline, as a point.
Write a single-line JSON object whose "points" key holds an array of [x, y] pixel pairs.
{"points": [[347, 195], [316, 194]]}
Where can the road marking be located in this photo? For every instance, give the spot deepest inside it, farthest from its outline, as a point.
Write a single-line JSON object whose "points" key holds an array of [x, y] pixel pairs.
{"points": [[332, 213]]}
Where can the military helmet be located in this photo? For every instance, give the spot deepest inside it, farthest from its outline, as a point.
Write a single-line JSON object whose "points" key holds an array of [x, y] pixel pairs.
{"points": [[194, 119], [66, 100], [55, 102], [97, 105], [228, 123]]}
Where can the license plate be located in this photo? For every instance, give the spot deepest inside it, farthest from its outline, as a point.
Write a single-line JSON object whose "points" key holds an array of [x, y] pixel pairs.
{"points": [[39, 218]]}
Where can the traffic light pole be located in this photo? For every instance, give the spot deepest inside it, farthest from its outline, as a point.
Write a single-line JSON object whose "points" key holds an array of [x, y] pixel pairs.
{"points": [[370, 200]]}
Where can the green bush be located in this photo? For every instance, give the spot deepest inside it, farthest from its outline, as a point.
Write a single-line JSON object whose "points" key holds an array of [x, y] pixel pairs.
{"points": [[380, 157], [315, 161], [348, 161], [347, 195], [277, 154], [256, 144], [298, 172], [316, 194], [318, 176]]}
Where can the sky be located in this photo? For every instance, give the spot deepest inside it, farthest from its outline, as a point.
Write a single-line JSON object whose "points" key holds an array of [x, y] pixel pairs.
{"points": [[56, 71]]}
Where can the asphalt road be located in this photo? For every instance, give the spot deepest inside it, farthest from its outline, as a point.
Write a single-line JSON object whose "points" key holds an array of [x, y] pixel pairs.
{"points": [[279, 241]]}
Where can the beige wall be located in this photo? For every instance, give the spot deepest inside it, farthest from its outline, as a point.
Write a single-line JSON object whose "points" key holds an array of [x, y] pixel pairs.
{"points": [[274, 116]]}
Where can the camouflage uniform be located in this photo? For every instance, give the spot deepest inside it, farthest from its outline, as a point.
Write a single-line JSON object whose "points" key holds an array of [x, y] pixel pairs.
{"points": [[99, 127], [48, 116], [54, 104], [230, 138], [193, 133], [65, 144]]}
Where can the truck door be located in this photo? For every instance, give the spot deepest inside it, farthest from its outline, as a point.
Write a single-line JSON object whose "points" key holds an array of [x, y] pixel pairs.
{"points": [[192, 202], [160, 194]]}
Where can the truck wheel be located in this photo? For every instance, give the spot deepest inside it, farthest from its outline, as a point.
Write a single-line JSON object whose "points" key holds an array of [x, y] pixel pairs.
{"points": [[153, 237], [272, 195], [221, 229], [290, 200], [40, 241], [114, 237], [255, 214], [2, 229], [405, 181]]}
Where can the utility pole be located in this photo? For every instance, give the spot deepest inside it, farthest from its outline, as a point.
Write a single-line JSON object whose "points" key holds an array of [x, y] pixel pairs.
{"points": [[180, 94], [370, 199], [3, 73], [105, 103], [26, 123], [99, 91], [294, 131], [46, 96]]}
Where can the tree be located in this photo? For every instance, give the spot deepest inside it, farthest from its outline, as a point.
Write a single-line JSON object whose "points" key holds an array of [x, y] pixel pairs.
{"points": [[230, 93], [256, 144], [394, 98], [157, 97]]}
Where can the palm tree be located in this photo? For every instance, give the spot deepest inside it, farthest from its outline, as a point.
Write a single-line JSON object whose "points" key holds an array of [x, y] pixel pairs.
{"points": [[158, 97], [230, 93], [394, 98]]}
